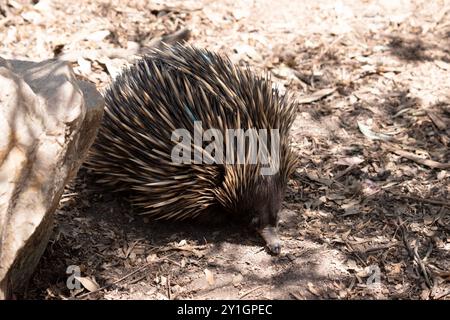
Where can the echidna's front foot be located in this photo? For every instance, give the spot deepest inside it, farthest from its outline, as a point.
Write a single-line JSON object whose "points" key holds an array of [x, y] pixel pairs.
{"points": [[272, 240]]}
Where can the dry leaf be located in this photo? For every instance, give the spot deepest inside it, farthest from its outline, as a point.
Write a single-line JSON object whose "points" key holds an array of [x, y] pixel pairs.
{"points": [[209, 277], [369, 187], [316, 95], [84, 66], [437, 120], [98, 35], [428, 220], [150, 258], [350, 161], [160, 296], [113, 67], [346, 234], [313, 289], [351, 265], [88, 283], [441, 175], [284, 72], [15, 4], [315, 177], [32, 16], [237, 279], [366, 131]]}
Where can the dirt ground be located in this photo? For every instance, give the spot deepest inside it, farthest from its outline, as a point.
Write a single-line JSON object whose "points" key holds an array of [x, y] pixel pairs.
{"points": [[366, 215]]}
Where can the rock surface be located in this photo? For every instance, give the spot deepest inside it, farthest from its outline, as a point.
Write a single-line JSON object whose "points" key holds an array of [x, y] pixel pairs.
{"points": [[48, 120]]}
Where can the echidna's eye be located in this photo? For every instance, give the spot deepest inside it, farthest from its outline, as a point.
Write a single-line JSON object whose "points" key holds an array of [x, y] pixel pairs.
{"points": [[255, 222]]}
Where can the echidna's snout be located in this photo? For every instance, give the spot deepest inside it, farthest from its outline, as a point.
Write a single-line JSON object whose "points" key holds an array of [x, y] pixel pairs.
{"points": [[270, 236], [265, 206], [265, 223]]}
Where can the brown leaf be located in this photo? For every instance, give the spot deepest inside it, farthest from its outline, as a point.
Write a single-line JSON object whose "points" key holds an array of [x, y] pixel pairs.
{"points": [[441, 175], [88, 283], [237, 279], [437, 121], [349, 161], [209, 277], [313, 289], [98, 35], [366, 131], [320, 94]]}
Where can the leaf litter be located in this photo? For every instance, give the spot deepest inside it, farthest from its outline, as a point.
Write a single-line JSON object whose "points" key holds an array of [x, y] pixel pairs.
{"points": [[372, 131]]}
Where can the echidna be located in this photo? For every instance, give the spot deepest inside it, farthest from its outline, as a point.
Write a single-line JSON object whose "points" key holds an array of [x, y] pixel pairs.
{"points": [[185, 90]]}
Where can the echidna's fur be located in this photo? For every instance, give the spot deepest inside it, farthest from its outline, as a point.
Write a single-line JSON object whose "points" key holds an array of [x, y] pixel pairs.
{"points": [[167, 90]]}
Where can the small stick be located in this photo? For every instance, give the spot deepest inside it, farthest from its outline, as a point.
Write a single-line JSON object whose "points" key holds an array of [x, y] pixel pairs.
{"points": [[296, 296], [168, 287], [443, 295], [125, 277], [411, 156], [249, 291], [432, 201], [422, 266], [388, 246], [414, 255]]}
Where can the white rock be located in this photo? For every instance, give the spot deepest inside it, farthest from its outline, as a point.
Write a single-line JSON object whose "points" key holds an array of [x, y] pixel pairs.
{"points": [[48, 120]]}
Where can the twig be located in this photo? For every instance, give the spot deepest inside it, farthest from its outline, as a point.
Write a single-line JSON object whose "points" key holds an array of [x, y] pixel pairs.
{"points": [[130, 248], [168, 288], [441, 125], [431, 201], [137, 279], [411, 156], [355, 253], [250, 291], [192, 249], [125, 277], [414, 255], [387, 246], [173, 262], [342, 173], [443, 295], [422, 266], [296, 296]]}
